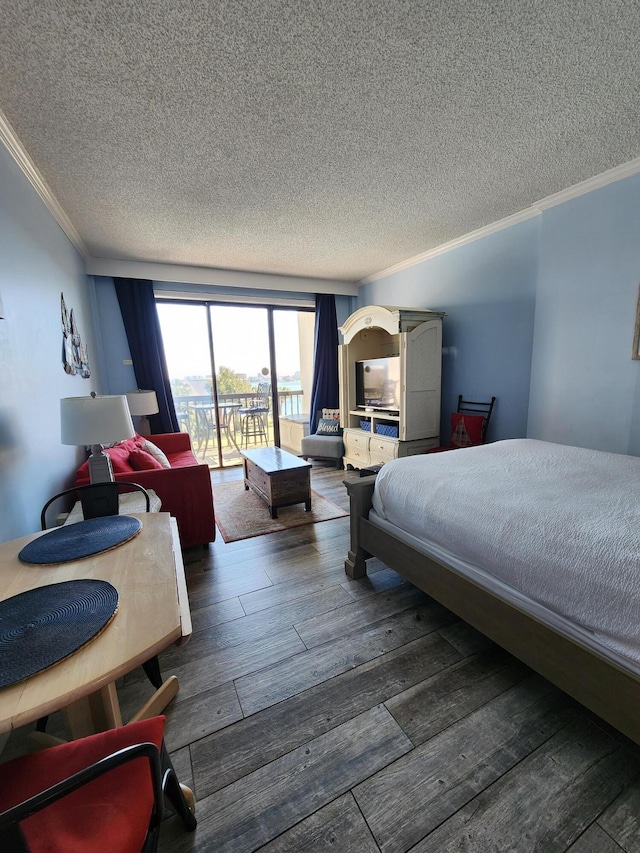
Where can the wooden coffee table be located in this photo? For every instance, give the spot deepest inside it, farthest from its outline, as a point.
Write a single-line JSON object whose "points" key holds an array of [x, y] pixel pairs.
{"points": [[278, 477]]}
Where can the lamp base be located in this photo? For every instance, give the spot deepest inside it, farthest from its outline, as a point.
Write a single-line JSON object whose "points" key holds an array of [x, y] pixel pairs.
{"points": [[144, 427], [100, 468]]}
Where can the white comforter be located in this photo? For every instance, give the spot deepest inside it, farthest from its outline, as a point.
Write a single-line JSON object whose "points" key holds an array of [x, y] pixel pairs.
{"points": [[559, 524]]}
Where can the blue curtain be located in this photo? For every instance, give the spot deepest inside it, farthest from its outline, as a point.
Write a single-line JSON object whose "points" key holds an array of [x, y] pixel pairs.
{"points": [[138, 308], [324, 390]]}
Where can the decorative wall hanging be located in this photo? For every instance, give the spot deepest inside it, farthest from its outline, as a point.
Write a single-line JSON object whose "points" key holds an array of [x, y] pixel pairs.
{"points": [[74, 354]]}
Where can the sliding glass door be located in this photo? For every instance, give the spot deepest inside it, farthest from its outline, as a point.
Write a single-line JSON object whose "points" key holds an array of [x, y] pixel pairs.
{"points": [[293, 337], [242, 368], [235, 370]]}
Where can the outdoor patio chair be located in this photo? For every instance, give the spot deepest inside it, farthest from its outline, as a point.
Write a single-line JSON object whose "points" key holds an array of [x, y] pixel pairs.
{"points": [[253, 418]]}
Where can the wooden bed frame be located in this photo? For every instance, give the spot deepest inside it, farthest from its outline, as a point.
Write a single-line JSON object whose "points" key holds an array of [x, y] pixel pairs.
{"points": [[608, 690]]}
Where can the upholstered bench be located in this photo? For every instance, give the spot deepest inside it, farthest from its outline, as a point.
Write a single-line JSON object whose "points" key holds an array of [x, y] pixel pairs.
{"points": [[326, 442], [323, 447]]}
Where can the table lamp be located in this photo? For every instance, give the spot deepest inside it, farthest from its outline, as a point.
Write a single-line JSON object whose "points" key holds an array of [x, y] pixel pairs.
{"points": [[96, 421], [141, 404]]}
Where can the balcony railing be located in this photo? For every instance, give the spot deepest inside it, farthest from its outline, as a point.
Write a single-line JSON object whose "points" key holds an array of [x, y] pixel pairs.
{"points": [[196, 415]]}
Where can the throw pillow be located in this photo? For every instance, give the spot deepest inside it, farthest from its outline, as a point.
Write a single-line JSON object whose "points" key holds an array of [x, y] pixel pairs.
{"points": [[128, 444], [140, 460], [119, 459], [331, 413], [156, 453], [328, 426], [466, 430]]}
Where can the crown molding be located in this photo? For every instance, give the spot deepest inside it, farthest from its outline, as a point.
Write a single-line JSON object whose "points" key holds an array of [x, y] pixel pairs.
{"points": [[185, 274], [485, 231], [618, 173], [158, 271], [17, 150], [205, 275]]}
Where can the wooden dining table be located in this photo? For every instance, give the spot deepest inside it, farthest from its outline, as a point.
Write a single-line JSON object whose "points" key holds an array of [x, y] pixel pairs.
{"points": [[153, 613]]}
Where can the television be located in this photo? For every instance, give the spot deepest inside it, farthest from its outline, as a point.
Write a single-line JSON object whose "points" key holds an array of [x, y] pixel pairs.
{"points": [[378, 383]]}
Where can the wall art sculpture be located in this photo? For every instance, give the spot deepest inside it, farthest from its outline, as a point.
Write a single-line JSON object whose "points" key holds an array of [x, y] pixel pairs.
{"points": [[74, 354]]}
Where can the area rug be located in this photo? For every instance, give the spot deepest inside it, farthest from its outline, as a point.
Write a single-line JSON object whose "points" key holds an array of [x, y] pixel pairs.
{"points": [[241, 514]]}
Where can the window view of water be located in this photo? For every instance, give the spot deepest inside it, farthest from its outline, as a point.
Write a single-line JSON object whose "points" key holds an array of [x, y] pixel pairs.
{"points": [[234, 340]]}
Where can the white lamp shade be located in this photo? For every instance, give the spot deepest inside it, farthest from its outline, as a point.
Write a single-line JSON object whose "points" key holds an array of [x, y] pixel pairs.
{"points": [[142, 402], [95, 420]]}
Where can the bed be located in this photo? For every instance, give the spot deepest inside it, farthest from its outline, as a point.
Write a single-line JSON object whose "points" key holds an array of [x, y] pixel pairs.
{"points": [[535, 544]]}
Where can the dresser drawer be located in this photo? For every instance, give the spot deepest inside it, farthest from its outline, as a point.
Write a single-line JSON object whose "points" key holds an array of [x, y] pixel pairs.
{"points": [[358, 454], [356, 439], [383, 447]]}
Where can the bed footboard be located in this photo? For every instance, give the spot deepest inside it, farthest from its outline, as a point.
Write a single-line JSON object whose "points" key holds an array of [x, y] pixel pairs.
{"points": [[609, 690], [360, 494]]}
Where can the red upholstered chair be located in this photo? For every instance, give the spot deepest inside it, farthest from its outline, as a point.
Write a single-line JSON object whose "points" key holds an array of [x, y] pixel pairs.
{"points": [[468, 425], [102, 792]]}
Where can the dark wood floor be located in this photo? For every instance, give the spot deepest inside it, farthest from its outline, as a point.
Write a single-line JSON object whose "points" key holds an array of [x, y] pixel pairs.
{"points": [[318, 713]]}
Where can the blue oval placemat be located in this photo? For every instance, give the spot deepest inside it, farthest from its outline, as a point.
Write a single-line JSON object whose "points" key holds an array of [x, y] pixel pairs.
{"points": [[45, 625], [84, 539]]}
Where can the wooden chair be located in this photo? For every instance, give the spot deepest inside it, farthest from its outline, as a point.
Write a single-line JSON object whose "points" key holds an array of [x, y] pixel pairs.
{"points": [[97, 499], [469, 424], [102, 792]]}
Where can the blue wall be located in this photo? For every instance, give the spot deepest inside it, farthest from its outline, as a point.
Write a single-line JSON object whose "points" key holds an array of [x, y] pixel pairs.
{"points": [[487, 289], [584, 385], [38, 263], [542, 315], [119, 376]]}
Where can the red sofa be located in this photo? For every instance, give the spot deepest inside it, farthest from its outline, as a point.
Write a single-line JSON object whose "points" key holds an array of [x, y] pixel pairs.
{"points": [[184, 488]]}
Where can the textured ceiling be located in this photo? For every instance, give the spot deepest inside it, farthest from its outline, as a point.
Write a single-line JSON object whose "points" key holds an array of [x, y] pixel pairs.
{"points": [[326, 138]]}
